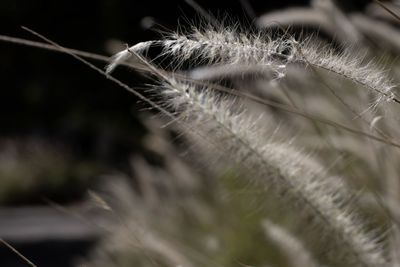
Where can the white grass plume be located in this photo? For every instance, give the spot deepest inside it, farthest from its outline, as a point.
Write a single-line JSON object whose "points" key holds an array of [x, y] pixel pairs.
{"points": [[118, 59], [349, 66], [124, 55], [228, 46], [242, 140]]}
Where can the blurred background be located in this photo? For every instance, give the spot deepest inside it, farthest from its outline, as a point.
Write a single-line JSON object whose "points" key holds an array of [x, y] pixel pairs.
{"points": [[66, 131]]}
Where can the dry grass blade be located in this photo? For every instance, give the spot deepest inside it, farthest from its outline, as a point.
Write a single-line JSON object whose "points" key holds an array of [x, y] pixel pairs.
{"points": [[19, 254], [387, 9]]}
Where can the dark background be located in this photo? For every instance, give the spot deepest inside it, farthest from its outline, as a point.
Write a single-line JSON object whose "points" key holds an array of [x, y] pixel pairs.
{"points": [[55, 97]]}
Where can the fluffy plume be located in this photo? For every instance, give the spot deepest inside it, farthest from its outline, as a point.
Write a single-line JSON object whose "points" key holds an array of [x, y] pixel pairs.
{"points": [[231, 47], [126, 54], [240, 138], [118, 59]]}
